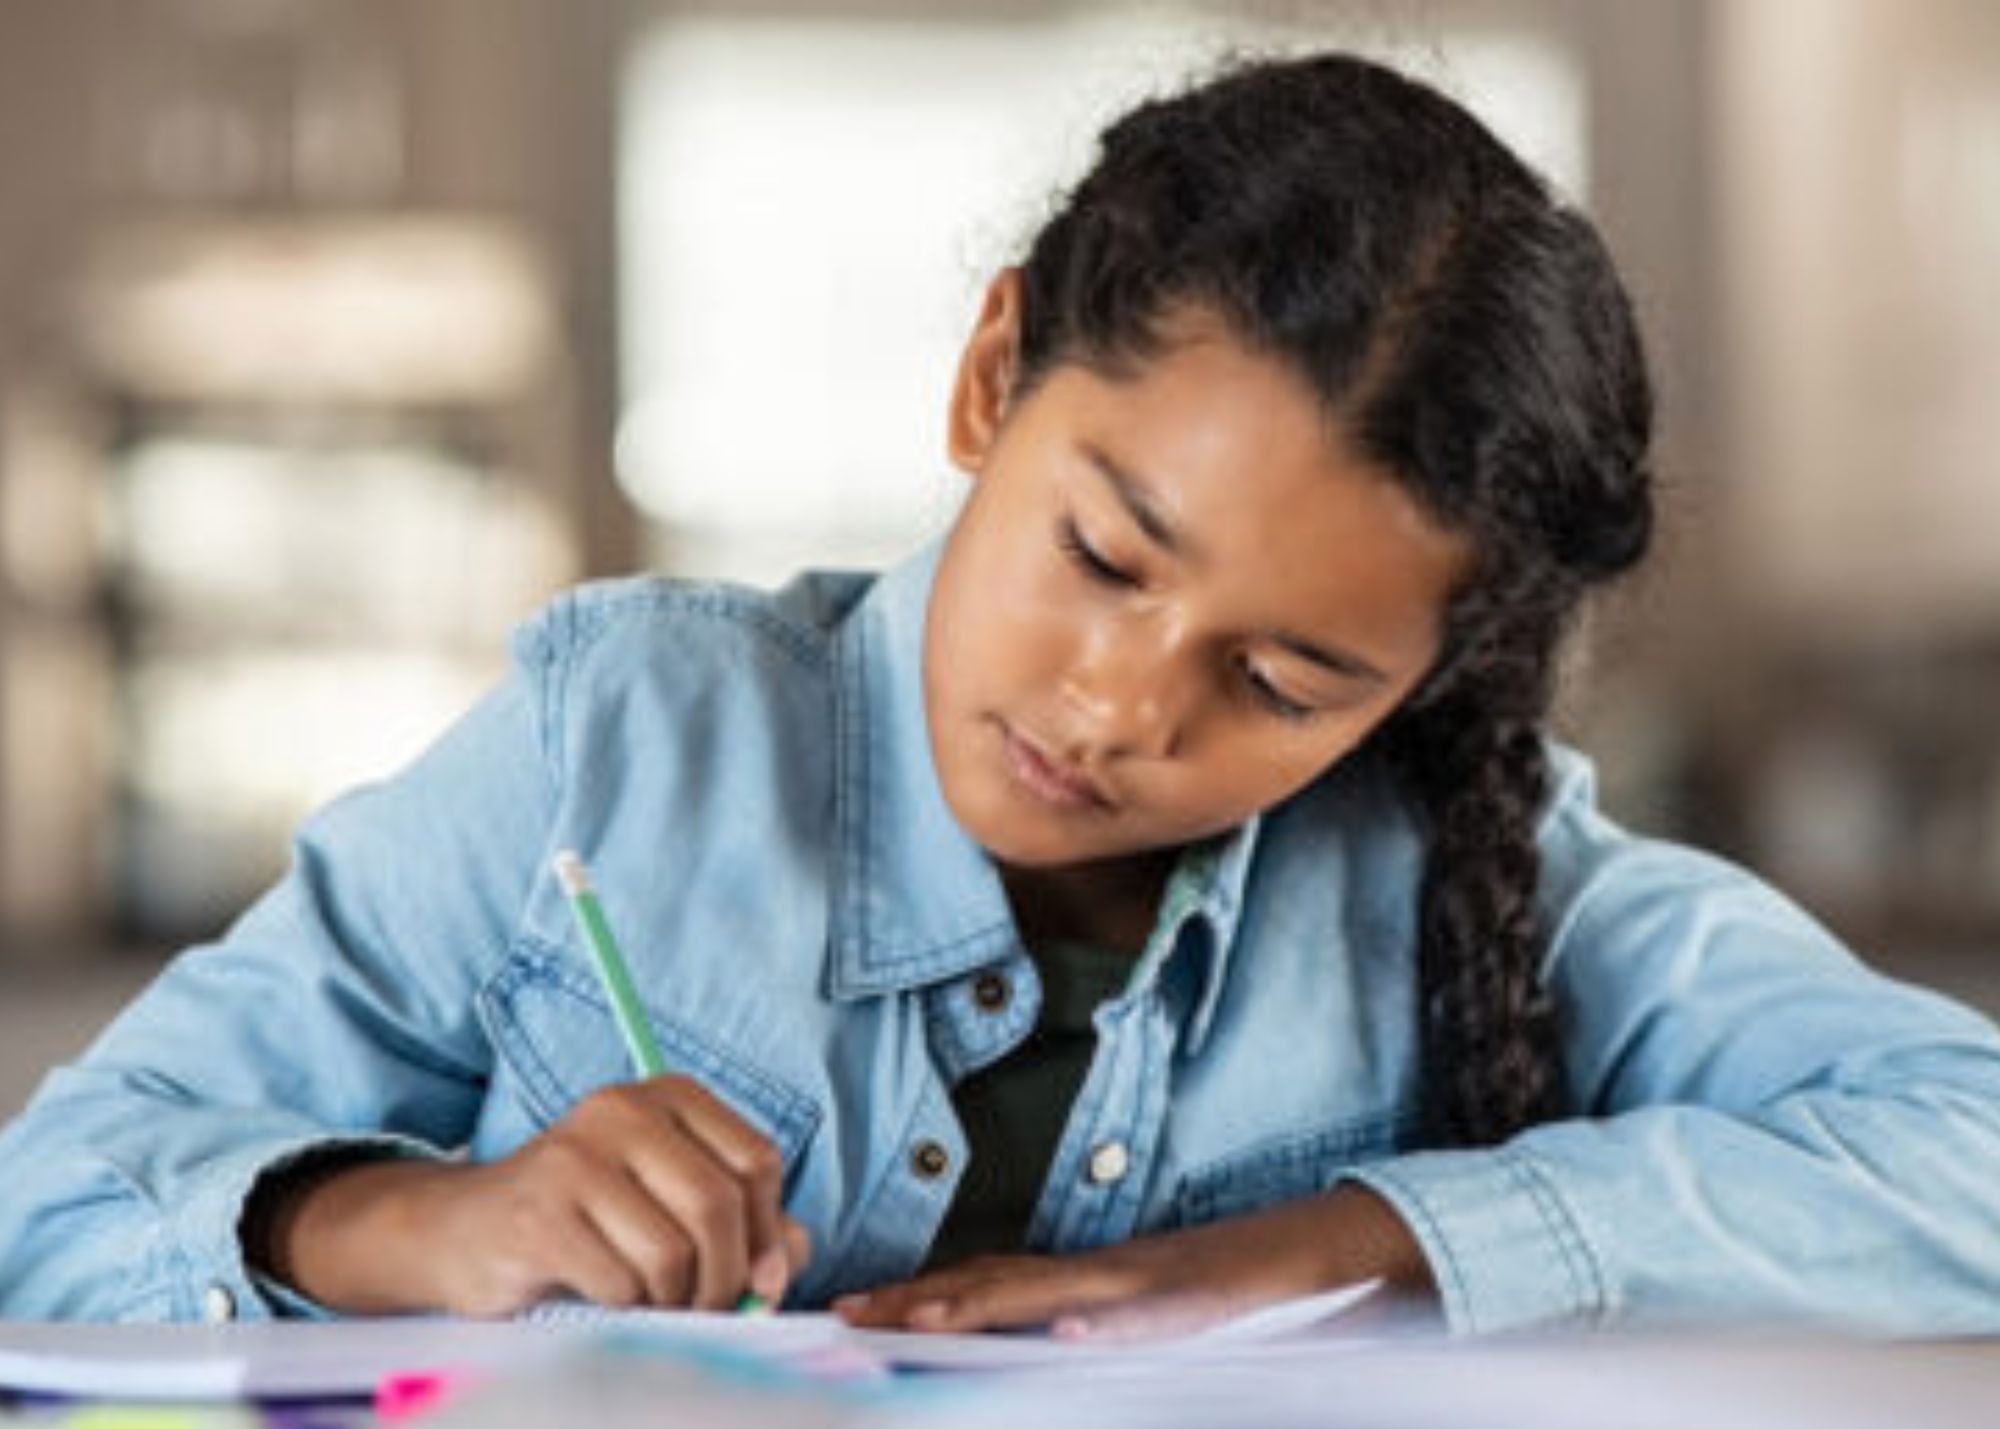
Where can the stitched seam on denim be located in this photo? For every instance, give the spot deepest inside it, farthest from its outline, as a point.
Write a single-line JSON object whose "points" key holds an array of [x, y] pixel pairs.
{"points": [[941, 1029], [866, 1237], [1096, 1222], [534, 963], [590, 613], [851, 779], [1586, 1275], [1561, 1234], [939, 955], [1327, 1147], [1064, 1172], [601, 606], [228, 1243], [519, 1049], [181, 1272], [550, 649], [1156, 1050]]}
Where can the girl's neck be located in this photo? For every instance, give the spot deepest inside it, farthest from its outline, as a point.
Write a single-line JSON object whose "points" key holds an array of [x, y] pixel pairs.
{"points": [[1111, 903]]}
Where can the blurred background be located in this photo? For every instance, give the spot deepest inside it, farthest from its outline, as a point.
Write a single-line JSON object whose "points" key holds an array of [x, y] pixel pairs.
{"points": [[336, 334]]}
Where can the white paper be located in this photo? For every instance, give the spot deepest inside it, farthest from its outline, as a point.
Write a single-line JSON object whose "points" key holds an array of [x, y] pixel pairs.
{"points": [[810, 1337], [294, 1359]]}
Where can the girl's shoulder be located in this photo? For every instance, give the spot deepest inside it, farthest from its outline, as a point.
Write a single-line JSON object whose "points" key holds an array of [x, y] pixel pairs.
{"points": [[649, 672], [1583, 843], [634, 616], [1357, 825]]}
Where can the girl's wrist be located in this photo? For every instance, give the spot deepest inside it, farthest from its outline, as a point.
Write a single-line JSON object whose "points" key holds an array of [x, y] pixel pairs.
{"points": [[1367, 1239], [348, 1234]]}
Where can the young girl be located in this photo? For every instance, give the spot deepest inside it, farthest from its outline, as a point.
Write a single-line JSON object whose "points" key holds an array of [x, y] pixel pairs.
{"points": [[1157, 899]]}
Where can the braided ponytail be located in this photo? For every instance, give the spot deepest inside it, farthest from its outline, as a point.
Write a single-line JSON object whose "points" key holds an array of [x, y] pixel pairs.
{"points": [[1469, 334], [1470, 758]]}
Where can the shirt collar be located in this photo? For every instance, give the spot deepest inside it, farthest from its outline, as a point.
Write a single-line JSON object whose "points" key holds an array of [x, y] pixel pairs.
{"points": [[1206, 891], [914, 899]]}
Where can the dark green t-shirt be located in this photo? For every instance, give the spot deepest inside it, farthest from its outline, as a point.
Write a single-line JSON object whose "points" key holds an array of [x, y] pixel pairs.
{"points": [[1014, 1111]]}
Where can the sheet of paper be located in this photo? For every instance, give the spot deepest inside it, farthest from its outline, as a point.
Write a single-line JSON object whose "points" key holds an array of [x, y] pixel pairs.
{"points": [[807, 1337], [292, 1359]]}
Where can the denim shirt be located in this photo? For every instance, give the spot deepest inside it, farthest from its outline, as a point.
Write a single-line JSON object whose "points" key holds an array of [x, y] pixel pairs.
{"points": [[1763, 1128]]}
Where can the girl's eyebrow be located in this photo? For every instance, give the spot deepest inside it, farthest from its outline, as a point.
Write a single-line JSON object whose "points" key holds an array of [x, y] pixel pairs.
{"points": [[1144, 509], [1341, 662], [1139, 502]]}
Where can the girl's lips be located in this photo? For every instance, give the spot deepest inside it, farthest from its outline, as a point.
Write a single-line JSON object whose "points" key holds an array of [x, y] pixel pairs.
{"points": [[1063, 785]]}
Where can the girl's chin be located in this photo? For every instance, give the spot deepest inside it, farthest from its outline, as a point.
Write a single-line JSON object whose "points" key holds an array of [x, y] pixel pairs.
{"points": [[1027, 837]]}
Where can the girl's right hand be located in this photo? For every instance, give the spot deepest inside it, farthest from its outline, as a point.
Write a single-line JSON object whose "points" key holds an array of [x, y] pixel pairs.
{"points": [[650, 1193]]}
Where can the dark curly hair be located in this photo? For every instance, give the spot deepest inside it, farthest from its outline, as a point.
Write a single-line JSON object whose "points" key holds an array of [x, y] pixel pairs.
{"points": [[1469, 332]]}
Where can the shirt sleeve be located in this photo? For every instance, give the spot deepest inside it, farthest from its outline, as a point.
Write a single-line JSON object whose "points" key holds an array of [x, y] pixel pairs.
{"points": [[1766, 1131], [337, 1016]]}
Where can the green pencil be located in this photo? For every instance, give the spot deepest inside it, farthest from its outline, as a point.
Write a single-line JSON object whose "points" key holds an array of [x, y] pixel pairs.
{"points": [[616, 978], [612, 971]]}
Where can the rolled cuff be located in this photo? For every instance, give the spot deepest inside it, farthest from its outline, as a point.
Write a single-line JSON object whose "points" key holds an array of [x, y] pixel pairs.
{"points": [[212, 1280], [1506, 1251]]}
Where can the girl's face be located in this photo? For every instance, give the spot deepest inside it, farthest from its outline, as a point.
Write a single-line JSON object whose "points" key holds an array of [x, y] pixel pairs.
{"points": [[1173, 598]]}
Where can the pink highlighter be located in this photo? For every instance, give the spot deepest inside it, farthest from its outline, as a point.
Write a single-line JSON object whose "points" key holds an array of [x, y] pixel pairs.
{"points": [[414, 1393]]}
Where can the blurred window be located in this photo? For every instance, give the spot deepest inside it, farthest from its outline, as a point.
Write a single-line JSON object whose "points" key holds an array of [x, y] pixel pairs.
{"points": [[810, 204], [298, 616]]}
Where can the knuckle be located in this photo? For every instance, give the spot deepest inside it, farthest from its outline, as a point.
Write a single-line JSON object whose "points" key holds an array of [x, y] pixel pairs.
{"points": [[609, 1106], [559, 1153], [624, 1291], [764, 1164], [716, 1215], [594, 1105], [665, 1266], [674, 1088]]}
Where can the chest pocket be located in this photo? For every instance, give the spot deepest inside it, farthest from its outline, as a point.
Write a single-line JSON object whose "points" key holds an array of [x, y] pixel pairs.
{"points": [[1284, 1169], [558, 1042]]}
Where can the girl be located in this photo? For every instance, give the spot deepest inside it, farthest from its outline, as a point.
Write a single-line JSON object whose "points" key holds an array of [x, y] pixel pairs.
{"points": [[1158, 899]]}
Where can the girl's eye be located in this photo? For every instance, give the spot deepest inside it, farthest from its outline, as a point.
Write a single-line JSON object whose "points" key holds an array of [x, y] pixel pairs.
{"points": [[1070, 538], [1274, 699]]}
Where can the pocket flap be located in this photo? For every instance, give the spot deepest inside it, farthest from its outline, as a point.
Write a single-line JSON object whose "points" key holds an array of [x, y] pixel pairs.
{"points": [[552, 1023]]}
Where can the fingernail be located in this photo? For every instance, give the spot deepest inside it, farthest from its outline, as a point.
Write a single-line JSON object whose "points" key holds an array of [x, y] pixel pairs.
{"points": [[1070, 1327], [769, 1273], [850, 1304], [931, 1315]]}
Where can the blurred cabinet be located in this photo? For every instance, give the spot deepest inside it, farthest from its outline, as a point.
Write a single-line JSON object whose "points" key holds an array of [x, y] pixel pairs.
{"points": [[1872, 791], [1858, 741], [304, 381], [323, 508]]}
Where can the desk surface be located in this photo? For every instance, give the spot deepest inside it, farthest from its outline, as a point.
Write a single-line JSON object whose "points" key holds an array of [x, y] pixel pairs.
{"points": [[1599, 1382]]}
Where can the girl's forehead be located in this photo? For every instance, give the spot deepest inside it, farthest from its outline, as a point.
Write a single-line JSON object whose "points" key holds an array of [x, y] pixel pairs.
{"points": [[1207, 421], [1231, 457]]}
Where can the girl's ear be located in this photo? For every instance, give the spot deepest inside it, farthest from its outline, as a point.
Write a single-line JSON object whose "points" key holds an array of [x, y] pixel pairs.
{"points": [[985, 378]]}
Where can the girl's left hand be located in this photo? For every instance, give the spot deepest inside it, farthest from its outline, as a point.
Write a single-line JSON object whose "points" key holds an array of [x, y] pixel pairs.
{"points": [[1162, 1284]]}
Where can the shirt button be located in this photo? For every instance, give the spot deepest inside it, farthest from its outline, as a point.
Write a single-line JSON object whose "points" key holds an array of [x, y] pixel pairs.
{"points": [[990, 992], [1108, 1163], [218, 1306], [929, 1160]]}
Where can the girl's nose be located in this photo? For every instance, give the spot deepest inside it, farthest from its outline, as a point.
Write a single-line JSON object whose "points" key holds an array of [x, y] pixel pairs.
{"points": [[1126, 691]]}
